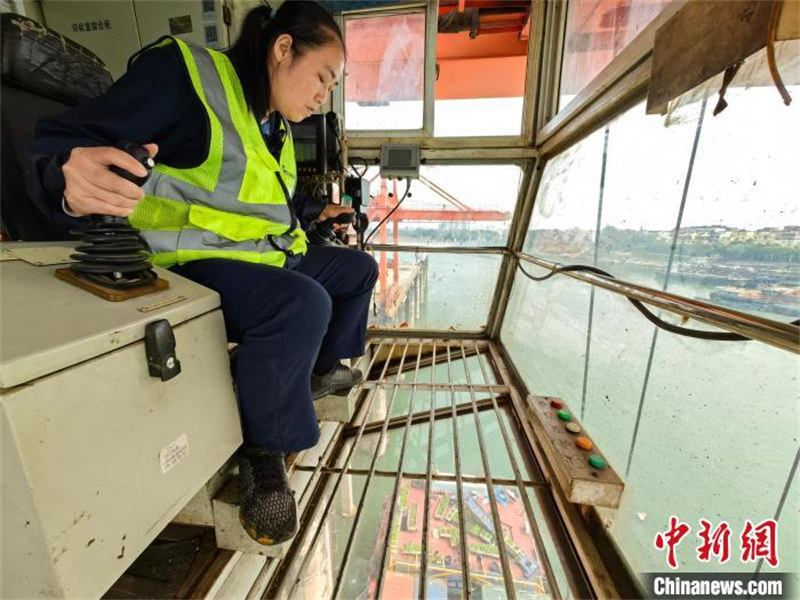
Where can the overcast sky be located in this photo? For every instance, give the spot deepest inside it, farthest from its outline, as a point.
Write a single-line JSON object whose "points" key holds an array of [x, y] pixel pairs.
{"points": [[744, 175]]}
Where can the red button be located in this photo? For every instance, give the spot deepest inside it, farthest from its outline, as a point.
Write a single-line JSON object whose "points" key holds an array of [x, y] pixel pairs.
{"points": [[556, 403]]}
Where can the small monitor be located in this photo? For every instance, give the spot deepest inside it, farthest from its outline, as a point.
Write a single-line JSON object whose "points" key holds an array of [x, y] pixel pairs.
{"points": [[305, 151], [309, 138], [400, 160]]}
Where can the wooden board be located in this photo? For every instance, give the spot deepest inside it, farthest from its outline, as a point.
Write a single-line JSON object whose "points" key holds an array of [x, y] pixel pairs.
{"points": [[789, 24], [581, 483], [68, 275], [702, 40]]}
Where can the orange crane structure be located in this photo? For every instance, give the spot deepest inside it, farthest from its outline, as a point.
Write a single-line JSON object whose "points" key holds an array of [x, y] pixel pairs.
{"points": [[471, 64], [481, 52], [392, 293]]}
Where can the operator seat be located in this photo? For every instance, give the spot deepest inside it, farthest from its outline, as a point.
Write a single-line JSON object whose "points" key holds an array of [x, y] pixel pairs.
{"points": [[43, 73]]}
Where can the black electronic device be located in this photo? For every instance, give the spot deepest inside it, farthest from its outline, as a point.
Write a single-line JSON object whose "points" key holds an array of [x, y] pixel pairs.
{"points": [[316, 144], [113, 253], [141, 154], [343, 218], [358, 190], [322, 233], [309, 137]]}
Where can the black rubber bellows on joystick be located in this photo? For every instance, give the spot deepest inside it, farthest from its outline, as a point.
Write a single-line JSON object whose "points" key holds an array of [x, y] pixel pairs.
{"points": [[112, 253]]}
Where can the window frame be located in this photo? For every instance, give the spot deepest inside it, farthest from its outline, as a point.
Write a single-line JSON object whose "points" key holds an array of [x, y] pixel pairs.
{"points": [[620, 84], [504, 282], [374, 138], [428, 72]]}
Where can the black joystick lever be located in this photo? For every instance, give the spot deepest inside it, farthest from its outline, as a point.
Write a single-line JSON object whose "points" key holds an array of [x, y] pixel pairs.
{"points": [[113, 253], [343, 218], [141, 154]]}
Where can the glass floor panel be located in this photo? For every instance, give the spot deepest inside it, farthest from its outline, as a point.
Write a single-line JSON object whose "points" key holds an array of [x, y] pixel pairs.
{"points": [[432, 466]]}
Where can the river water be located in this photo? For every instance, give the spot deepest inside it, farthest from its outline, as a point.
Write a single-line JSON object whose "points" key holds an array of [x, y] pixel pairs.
{"points": [[698, 429]]}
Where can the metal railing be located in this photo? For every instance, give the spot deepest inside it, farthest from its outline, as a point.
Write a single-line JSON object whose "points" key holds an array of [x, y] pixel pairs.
{"points": [[775, 333]]}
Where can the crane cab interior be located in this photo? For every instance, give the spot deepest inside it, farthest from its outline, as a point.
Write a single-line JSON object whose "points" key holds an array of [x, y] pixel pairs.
{"points": [[582, 352]]}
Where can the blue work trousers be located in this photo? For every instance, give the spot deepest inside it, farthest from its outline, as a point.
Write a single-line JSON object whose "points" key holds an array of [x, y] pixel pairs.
{"points": [[284, 320]]}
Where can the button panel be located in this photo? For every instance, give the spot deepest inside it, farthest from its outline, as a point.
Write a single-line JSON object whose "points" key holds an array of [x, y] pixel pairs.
{"points": [[578, 464], [564, 415], [597, 462]]}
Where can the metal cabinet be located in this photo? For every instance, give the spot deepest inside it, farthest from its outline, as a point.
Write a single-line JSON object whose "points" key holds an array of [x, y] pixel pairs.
{"points": [[97, 455]]}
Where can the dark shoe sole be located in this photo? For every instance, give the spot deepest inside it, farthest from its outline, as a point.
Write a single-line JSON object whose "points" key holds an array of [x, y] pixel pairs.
{"points": [[263, 538]]}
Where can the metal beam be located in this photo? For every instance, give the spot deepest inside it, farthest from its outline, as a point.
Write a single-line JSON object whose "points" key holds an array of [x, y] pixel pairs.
{"points": [[775, 333]]}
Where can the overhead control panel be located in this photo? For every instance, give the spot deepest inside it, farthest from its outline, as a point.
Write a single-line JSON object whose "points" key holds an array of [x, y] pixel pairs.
{"points": [[400, 161]]}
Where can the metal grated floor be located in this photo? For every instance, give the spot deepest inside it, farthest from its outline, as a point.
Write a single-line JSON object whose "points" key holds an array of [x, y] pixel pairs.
{"points": [[409, 497]]}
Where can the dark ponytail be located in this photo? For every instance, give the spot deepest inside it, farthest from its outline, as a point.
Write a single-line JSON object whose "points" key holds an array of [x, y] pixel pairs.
{"points": [[310, 26]]}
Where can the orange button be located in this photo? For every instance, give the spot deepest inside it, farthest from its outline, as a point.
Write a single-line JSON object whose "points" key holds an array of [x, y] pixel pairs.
{"points": [[584, 443]]}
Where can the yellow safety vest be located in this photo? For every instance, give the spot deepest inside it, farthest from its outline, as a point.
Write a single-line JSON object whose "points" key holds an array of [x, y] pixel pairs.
{"points": [[234, 205]]}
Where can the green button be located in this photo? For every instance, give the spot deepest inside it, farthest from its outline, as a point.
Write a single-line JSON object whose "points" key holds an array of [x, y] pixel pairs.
{"points": [[564, 415], [597, 462]]}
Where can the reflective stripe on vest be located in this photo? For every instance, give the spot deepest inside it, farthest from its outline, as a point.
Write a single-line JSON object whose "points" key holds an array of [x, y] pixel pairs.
{"points": [[236, 204]]}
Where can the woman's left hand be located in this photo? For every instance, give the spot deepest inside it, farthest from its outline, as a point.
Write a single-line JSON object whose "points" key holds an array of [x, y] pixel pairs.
{"points": [[331, 211]]}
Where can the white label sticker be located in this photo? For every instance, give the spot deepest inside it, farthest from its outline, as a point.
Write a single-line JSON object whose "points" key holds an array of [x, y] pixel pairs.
{"points": [[174, 453]]}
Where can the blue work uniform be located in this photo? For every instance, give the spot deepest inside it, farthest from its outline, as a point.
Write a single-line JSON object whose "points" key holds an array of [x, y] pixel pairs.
{"points": [[287, 321]]}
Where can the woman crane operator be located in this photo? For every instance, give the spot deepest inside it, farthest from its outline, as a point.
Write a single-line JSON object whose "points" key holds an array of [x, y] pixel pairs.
{"points": [[217, 209]]}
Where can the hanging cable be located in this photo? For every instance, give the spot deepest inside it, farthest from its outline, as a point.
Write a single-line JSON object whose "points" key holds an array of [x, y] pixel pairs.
{"points": [[772, 29], [649, 315], [359, 174], [389, 214]]}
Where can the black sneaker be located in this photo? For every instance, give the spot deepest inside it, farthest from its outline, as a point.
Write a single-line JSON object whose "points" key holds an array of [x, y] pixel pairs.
{"points": [[267, 509], [337, 381]]}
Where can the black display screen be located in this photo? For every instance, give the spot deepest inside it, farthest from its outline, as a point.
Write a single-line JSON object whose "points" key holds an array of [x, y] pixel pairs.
{"points": [[309, 140], [305, 151], [400, 157]]}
